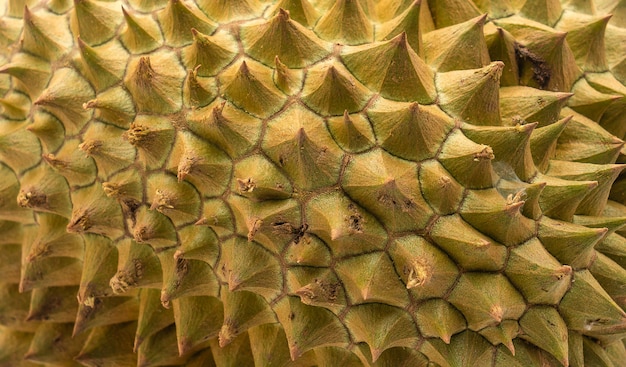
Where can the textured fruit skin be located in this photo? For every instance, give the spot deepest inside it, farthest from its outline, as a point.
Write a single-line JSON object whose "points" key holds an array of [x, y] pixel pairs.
{"points": [[312, 183]]}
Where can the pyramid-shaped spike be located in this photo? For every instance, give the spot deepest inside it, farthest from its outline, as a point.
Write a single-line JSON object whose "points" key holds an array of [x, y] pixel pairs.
{"points": [[497, 217], [229, 128], [578, 248], [141, 32], [353, 133], [161, 346], [102, 142], [44, 191], [468, 162], [198, 91], [288, 80], [330, 89], [321, 288], [514, 190], [604, 174], [271, 345], [59, 271], [367, 278], [14, 106], [591, 103], [66, 103], [462, 243], [249, 86], [102, 69], [544, 327], [610, 275], [152, 316], [409, 130], [449, 13], [257, 178], [295, 45], [177, 18], [100, 260], [340, 223], [611, 223], [586, 39], [52, 240], [613, 120], [53, 343], [594, 352], [315, 253], [245, 265], [510, 145], [40, 39], [502, 46], [184, 278], [466, 347], [425, 270], [95, 21], [545, 58], [560, 198], [197, 318], [486, 299], [97, 347], [546, 12], [48, 129], [114, 106], [154, 229], [598, 306], [302, 11], [462, 93], [19, 149], [242, 310], [383, 184], [444, 51], [72, 163], [437, 318], [54, 304], [381, 327], [209, 54], [518, 105], [105, 311], [138, 267], [583, 140], [298, 142], [538, 275], [615, 55], [392, 58], [198, 243], [322, 327], [345, 22], [407, 22], [156, 86], [272, 223], [14, 306], [217, 215], [543, 142], [204, 165], [177, 200], [153, 137], [442, 192], [229, 10], [33, 72], [94, 212], [502, 334]]}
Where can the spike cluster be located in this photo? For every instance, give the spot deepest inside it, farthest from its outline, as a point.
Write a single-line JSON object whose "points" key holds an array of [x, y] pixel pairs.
{"points": [[300, 183]]}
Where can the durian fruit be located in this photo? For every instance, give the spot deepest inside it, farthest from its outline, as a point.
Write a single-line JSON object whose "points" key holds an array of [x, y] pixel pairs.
{"points": [[312, 183]]}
